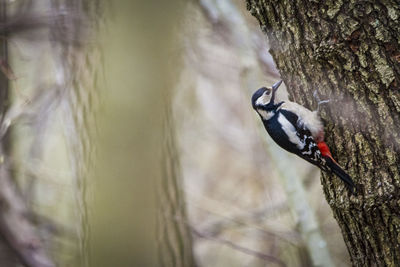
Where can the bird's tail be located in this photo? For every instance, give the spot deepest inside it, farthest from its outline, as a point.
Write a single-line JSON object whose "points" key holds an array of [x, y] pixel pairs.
{"points": [[336, 169]]}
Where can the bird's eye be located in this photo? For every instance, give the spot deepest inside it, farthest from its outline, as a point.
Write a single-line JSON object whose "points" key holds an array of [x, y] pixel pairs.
{"points": [[268, 92]]}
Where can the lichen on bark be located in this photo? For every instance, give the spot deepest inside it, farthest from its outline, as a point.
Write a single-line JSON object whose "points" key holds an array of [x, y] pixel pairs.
{"points": [[350, 52]]}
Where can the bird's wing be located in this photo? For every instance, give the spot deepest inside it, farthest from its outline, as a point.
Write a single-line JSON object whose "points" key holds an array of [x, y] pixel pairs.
{"points": [[307, 147], [309, 150], [307, 118]]}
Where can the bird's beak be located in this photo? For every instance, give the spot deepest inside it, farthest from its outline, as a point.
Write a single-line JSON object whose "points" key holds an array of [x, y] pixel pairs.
{"points": [[276, 85]]}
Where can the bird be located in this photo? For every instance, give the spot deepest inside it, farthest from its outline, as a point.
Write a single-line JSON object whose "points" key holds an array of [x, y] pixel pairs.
{"points": [[297, 130]]}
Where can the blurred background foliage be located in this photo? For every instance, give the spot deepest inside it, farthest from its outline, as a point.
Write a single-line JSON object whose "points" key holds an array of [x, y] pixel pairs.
{"points": [[134, 142]]}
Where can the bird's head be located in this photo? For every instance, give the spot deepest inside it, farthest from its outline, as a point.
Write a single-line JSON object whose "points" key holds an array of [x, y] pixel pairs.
{"points": [[264, 96]]}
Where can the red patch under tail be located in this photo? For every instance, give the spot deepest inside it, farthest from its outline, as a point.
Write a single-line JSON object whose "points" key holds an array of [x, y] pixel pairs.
{"points": [[323, 147]]}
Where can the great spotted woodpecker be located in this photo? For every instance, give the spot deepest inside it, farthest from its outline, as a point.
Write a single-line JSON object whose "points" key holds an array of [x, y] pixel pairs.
{"points": [[297, 130]]}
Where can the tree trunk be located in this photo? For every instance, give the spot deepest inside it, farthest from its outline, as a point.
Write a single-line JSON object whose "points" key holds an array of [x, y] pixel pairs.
{"points": [[137, 171], [350, 52], [174, 236], [6, 255], [20, 243]]}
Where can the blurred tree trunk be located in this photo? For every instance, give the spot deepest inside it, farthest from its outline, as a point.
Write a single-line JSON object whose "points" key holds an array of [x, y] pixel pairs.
{"points": [[19, 243], [6, 255], [137, 172], [174, 236], [350, 52]]}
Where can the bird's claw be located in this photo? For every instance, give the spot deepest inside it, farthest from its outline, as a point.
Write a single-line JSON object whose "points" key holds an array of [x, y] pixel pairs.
{"points": [[319, 101]]}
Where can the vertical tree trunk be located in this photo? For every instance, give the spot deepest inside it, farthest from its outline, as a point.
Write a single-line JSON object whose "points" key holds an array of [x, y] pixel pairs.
{"points": [[20, 243], [350, 52], [137, 171], [7, 258], [174, 236]]}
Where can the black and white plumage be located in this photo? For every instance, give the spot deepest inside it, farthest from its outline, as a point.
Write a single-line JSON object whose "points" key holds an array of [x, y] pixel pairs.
{"points": [[297, 130]]}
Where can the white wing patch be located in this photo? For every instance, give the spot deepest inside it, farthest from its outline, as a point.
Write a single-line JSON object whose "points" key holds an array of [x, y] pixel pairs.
{"points": [[290, 131]]}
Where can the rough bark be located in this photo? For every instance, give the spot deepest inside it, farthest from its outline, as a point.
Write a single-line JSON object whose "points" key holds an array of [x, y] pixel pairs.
{"points": [[350, 52]]}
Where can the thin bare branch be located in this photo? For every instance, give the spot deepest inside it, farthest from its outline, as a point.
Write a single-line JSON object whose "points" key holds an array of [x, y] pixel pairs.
{"points": [[15, 226], [228, 22], [232, 245]]}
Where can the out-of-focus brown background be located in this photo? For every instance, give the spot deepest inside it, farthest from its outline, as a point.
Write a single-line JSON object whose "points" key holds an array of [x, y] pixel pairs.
{"points": [[97, 90]]}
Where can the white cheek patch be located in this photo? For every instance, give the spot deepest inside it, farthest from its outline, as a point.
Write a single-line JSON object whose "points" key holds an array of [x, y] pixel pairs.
{"points": [[263, 100], [290, 131], [266, 114]]}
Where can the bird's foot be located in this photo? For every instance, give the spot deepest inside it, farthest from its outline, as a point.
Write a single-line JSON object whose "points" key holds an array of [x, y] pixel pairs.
{"points": [[319, 101]]}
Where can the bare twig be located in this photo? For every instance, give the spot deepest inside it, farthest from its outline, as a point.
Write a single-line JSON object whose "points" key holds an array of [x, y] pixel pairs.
{"points": [[250, 219], [208, 236], [230, 244], [16, 227], [224, 16]]}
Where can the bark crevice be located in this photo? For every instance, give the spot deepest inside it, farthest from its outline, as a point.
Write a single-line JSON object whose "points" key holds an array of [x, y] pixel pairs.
{"points": [[350, 53]]}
